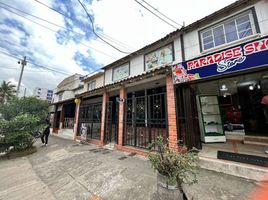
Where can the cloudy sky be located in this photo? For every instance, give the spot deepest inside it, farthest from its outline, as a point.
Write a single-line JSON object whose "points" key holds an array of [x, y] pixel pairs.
{"points": [[58, 44]]}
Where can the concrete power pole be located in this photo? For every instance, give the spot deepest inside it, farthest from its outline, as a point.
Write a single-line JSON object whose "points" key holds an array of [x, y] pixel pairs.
{"points": [[23, 63]]}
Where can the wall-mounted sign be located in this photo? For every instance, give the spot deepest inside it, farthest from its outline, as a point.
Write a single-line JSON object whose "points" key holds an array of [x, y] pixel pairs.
{"points": [[159, 57], [245, 56], [121, 72]]}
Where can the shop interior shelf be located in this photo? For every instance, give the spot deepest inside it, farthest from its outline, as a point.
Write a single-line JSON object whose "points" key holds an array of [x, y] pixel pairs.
{"points": [[211, 113], [216, 124]]}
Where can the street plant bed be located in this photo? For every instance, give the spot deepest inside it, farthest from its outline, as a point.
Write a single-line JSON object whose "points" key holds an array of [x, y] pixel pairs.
{"points": [[19, 153]]}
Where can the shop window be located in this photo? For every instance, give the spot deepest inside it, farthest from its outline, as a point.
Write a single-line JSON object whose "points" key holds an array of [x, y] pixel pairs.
{"points": [[233, 29]]}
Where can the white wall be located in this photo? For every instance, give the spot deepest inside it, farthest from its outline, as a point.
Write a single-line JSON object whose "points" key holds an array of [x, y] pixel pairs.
{"points": [[177, 50], [108, 76], [67, 95], [137, 66], [99, 81], [191, 40], [262, 15]]}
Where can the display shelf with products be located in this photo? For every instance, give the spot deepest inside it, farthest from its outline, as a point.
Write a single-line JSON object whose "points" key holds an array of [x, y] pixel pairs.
{"points": [[210, 119]]}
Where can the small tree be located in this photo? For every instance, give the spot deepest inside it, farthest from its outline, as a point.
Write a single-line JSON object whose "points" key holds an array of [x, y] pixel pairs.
{"points": [[19, 119], [7, 91]]}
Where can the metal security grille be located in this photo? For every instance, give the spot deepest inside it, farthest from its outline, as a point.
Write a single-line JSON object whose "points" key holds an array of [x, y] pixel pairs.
{"points": [[90, 116], [145, 119], [111, 126]]}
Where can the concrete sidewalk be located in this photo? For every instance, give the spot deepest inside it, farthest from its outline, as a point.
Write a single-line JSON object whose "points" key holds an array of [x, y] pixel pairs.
{"points": [[67, 170]]}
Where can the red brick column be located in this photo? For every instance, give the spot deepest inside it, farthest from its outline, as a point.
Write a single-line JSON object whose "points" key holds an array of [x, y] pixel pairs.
{"points": [[123, 95], [171, 111], [77, 109], [105, 100]]}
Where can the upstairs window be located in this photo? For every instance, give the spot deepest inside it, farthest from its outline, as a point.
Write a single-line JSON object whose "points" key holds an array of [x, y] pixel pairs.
{"points": [[159, 57], [92, 85], [121, 72], [230, 30]]}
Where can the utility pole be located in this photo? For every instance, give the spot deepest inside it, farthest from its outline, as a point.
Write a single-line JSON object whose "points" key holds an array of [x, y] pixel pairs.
{"points": [[23, 63]]}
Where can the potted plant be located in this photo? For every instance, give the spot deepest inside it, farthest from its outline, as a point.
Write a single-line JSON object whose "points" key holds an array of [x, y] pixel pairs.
{"points": [[173, 169]]}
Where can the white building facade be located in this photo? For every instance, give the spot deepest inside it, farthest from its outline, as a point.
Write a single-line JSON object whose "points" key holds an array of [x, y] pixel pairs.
{"points": [[43, 93]]}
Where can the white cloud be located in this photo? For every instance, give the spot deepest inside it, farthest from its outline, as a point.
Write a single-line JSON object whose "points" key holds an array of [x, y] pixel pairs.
{"points": [[124, 20]]}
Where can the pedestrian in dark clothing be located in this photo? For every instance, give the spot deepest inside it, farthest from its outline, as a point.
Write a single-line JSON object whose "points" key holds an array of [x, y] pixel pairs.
{"points": [[46, 133]]}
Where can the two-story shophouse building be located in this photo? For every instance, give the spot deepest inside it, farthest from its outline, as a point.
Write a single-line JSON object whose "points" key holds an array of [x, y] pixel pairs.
{"points": [[62, 109], [199, 83]]}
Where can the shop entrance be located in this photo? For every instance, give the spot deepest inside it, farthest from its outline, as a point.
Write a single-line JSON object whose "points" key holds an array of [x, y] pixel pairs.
{"points": [[111, 127], [145, 117], [243, 102], [187, 117]]}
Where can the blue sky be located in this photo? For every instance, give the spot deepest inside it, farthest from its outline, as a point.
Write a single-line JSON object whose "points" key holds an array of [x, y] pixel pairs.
{"points": [[67, 44]]}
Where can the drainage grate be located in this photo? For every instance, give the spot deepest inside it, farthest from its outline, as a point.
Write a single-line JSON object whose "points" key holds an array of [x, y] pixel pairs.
{"points": [[122, 158], [105, 151], [95, 150], [243, 158]]}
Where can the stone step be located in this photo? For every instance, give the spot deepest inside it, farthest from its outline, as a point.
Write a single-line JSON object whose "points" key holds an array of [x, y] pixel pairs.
{"points": [[256, 140], [256, 143], [247, 171]]}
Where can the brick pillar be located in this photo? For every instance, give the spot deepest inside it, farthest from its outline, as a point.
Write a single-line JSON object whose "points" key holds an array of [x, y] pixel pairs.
{"points": [[105, 100], [123, 95], [171, 111], [76, 116]]}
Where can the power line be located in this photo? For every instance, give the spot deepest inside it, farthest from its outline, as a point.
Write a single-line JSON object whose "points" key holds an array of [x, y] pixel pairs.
{"points": [[42, 19], [64, 73], [15, 68], [55, 31], [37, 65], [161, 13], [93, 30], [103, 35], [156, 14]]}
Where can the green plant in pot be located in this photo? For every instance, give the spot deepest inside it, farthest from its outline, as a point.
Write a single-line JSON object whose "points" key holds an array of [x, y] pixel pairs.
{"points": [[174, 169]]}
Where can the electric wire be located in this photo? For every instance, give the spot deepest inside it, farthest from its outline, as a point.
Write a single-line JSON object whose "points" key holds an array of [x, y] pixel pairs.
{"points": [[102, 34], [55, 31], [155, 14], [44, 20], [37, 65], [93, 30], [161, 13]]}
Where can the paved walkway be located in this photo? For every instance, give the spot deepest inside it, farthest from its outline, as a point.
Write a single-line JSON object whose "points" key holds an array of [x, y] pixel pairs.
{"points": [[67, 170]]}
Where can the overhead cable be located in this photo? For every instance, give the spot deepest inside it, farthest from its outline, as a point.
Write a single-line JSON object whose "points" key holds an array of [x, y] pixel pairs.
{"points": [[161, 13], [155, 14], [102, 34]]}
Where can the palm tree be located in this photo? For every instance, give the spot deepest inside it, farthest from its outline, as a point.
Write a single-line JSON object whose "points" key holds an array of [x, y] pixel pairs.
{"points": [[7, 90]]}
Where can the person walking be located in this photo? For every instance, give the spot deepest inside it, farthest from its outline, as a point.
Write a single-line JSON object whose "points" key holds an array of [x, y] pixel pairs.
{"points": [[46, 132]]}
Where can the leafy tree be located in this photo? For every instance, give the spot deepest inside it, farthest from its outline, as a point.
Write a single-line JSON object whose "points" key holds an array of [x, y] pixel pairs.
{"points": [[20, 118], [7, 91]]}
